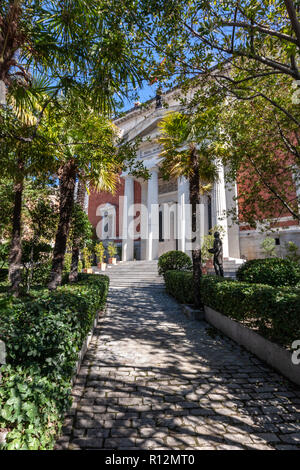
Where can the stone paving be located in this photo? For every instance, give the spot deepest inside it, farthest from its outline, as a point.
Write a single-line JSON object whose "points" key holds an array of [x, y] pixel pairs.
{"points": [[153, 379]]}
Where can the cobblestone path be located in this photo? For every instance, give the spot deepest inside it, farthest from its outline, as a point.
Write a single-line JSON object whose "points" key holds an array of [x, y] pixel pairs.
{"points": [[153, 379]]}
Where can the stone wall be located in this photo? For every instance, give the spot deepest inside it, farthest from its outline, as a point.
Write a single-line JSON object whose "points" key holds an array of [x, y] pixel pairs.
{"points": [[251, 240], [167, 186]]}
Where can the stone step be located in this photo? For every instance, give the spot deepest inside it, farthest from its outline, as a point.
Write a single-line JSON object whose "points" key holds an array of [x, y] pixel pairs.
{"points": [[133, 274], [144, 274], [132, 279], [136, 284]]}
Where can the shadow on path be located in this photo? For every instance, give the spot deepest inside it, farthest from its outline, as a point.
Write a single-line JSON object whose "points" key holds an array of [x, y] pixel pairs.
{"points": [[154, 379]]}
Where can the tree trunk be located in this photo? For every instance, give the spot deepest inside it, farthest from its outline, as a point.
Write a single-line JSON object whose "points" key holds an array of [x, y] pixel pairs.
{"points": [[194, 181], [76, 240], [15, 256], [35, 240], [67, 185]]}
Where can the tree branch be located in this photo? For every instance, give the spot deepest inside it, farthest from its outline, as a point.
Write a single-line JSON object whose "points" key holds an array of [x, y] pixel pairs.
{"points": [[262, 29], [289, 145], [263, 60], [256, 95], [290, 7], [273, 191]]}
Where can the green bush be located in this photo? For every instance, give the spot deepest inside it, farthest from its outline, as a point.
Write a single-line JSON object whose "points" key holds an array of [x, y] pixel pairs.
{"points": [[174, 261], [179, 284], [292, 251], [271, 271], [43, 336], [4, 253], [273, 312], [32, 406], [36, 261]]}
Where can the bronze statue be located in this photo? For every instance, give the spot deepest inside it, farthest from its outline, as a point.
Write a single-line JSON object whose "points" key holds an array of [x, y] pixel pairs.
{"points": [[217, 250], [158, 98]]}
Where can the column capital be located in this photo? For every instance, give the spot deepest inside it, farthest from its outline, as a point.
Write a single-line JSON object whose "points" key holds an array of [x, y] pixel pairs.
{"points": [[127, 177], [182, 180], [153, 169]]}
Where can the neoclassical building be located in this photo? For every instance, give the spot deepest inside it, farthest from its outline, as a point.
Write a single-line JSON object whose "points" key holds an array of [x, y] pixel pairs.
{"points": [[148, 218]]}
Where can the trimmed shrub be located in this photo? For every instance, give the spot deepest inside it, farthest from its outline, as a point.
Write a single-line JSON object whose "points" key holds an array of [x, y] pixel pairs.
{"points": [[174, 261], [272, 312], [271, 271], [179, 284], [43, 336]]}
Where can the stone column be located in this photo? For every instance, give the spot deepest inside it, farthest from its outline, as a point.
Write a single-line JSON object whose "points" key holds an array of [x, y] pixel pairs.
{"points": [[202, 219], [233, 227], [219, 207], [153, 215], [144, 219], [128, 229], [183, 217]]}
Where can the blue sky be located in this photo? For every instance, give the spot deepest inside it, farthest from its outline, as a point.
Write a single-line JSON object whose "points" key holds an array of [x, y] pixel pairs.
{"points": [[145, 93]]}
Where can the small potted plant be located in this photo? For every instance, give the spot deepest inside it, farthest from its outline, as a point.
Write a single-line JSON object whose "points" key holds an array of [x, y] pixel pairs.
{"points": [[112, 251], [99, 250], [86, 254]]}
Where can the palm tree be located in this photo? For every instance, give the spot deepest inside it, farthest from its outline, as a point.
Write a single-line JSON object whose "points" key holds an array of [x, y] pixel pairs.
{"points": [[88, 148], [106, 181], [74, 43], [188, 150], [89, 47], [76, 241], [22, 156]]}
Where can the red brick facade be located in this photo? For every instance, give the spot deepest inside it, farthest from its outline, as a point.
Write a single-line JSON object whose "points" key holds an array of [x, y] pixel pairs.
{"points": [[97, 199]]}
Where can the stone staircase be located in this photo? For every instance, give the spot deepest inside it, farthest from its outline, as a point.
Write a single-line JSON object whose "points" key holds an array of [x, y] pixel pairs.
{"points": [[144, 273], [230, 265], [133, 274]]}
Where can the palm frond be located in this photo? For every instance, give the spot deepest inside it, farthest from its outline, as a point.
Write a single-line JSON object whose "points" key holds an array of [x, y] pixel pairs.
{"points": [[107, 180], [27, 101], [180, 136]]}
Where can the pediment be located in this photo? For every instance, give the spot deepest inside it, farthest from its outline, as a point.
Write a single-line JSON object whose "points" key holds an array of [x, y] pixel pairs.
{"points": [[148, 125], [144, 128]]}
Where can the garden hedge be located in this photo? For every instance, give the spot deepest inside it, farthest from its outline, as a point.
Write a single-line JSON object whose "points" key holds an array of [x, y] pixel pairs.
{"points": [[271, 311], [43, 336], [274, 312], [179, 284], [174, 261], [271, 271]]}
